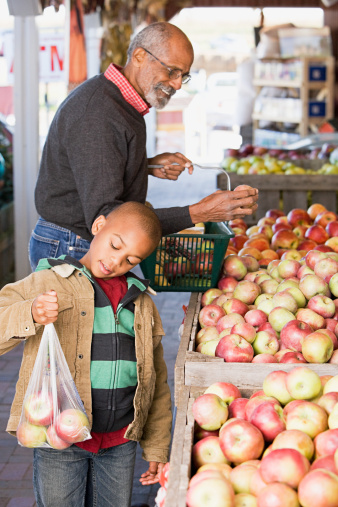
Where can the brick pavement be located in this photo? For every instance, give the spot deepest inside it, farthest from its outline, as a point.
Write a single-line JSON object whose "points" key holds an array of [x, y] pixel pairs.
{"points": [[15, 461]]}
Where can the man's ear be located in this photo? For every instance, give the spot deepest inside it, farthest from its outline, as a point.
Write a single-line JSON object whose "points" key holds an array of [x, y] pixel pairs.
{"points": [[138, 57], [98, 223]]}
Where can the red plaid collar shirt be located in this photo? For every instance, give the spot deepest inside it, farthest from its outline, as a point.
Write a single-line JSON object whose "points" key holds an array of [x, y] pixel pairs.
{"points": [[129, 93]]}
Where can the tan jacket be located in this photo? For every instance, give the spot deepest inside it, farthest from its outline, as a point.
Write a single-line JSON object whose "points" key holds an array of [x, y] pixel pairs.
{"points": [[152, 420]]}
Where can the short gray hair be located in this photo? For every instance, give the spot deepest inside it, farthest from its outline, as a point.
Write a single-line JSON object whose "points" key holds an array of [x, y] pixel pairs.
{"points": [[154, 38]]}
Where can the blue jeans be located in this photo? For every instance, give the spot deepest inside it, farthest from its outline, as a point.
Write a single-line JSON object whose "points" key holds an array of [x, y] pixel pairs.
{"points": [[60, 477], [49, 241]]}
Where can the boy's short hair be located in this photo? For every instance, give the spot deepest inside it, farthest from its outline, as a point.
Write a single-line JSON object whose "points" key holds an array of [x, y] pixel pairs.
{"points": [[144, 217]]}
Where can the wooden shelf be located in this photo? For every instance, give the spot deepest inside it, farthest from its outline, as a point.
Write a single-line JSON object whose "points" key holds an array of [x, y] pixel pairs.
{"points": [[305, 86], [312, 85]]}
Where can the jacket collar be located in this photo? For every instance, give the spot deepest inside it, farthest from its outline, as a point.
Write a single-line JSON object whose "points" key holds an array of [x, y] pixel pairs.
{"points": [[65, 265]]}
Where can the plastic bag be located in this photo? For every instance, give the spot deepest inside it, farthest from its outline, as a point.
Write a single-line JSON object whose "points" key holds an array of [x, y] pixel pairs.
{"points": [[52, 414]]}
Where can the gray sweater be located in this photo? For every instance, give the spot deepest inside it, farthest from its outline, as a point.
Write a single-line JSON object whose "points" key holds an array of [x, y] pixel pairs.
{"points": [[94, 159]]}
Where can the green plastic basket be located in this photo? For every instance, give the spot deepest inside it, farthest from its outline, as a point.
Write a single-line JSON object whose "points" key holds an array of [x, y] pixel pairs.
{"points": [[188, 262]]}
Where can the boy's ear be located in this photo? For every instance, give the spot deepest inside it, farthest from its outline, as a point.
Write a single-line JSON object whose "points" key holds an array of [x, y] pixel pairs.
{"points": [[98, 223]]}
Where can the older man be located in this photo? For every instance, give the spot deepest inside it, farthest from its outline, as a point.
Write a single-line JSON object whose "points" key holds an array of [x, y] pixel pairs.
{"points": [[95, 158]]}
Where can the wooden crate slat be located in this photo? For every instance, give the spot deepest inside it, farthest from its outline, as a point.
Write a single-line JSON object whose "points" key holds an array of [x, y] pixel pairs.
{"points": [[294, 199], [177, 447], [328, 199], [184, 343], [243, 375]]}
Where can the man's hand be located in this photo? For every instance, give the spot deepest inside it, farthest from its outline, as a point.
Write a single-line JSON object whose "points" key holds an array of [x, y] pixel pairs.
{"points": [[224, 205], [152, 475], [45, 308], [173, 165]]}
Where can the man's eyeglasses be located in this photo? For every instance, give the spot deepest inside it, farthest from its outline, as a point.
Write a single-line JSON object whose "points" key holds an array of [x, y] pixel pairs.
{"points": [[173, 73]]}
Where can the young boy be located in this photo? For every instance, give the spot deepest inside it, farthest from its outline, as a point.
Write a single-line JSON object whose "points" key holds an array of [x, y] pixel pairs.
{"points": [[110, 333]]}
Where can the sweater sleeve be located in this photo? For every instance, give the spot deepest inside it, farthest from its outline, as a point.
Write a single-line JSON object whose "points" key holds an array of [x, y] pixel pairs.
{"points": [[174, 219]]}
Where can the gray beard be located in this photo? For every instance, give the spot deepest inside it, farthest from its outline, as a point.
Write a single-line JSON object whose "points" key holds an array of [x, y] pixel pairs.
{"points": [[159, 102]]}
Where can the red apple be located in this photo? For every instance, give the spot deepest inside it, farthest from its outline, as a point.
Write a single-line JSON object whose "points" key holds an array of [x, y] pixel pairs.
{"points": [[307, 417], [332, 228], [209, 296], [226, 391], [234, 305], [293, 334], [326, 462], [210, 411], [200, 433], [255, 317], [241, 476], [311, 318], [292, 357], [315, 209], [206, 334], [30, 435], [233, 266], [326, 443], [325, 217], [284, 465], [250, 262], [247, 292], [255, 401], [306, 245], [318, 489], [288, 268], [210, 315], [241, 441], [234, 349], [214, 491], [269, 419], [227, 283], [284, 239], [206, 451], [38, 408], [298, 216], [238, 241], [245, 330], [237, 408], [275, 385], [317, 347], [310, 285], [277, 495], [274, 213], [314, 256], [264, 358], [322, 305], [228, 321], [281, 226], [317, 233], [72, 426], [54, 440], [295, 439]]}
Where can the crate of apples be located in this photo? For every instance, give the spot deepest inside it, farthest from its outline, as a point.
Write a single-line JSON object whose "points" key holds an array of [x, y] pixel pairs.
{"points": [[278, 447]]}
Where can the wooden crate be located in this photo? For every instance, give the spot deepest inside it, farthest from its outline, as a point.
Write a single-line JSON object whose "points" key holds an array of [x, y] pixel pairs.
{"points": [[286, 191], [195, 369], [182, 444]]}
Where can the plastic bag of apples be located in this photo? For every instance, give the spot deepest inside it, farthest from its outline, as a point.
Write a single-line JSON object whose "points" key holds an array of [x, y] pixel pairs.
{"points": [[52, 414]]}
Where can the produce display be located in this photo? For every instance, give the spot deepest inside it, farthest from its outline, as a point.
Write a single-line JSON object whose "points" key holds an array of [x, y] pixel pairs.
{"points": [[260, 160], [278, 448], [285, 312]]}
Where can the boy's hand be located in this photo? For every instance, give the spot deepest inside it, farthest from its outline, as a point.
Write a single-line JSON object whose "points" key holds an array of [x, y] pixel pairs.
{"points": [[152, 475], [45, 308]]}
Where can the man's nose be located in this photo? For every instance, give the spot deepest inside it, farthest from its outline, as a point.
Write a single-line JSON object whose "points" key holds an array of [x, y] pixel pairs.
{"points": [[176, 83]]}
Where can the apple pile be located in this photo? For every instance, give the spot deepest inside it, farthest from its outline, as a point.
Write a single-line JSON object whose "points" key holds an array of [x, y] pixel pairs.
{"points": [[248, 149], [279, 448], [42, 427], [286, 312]]}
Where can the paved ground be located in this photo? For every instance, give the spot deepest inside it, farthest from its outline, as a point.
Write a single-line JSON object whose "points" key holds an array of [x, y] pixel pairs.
{"points": [[15, 461]]}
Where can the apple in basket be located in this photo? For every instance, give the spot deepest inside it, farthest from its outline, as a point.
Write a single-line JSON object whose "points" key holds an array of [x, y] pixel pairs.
{"points": [[38, 408], [72, 425]]}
